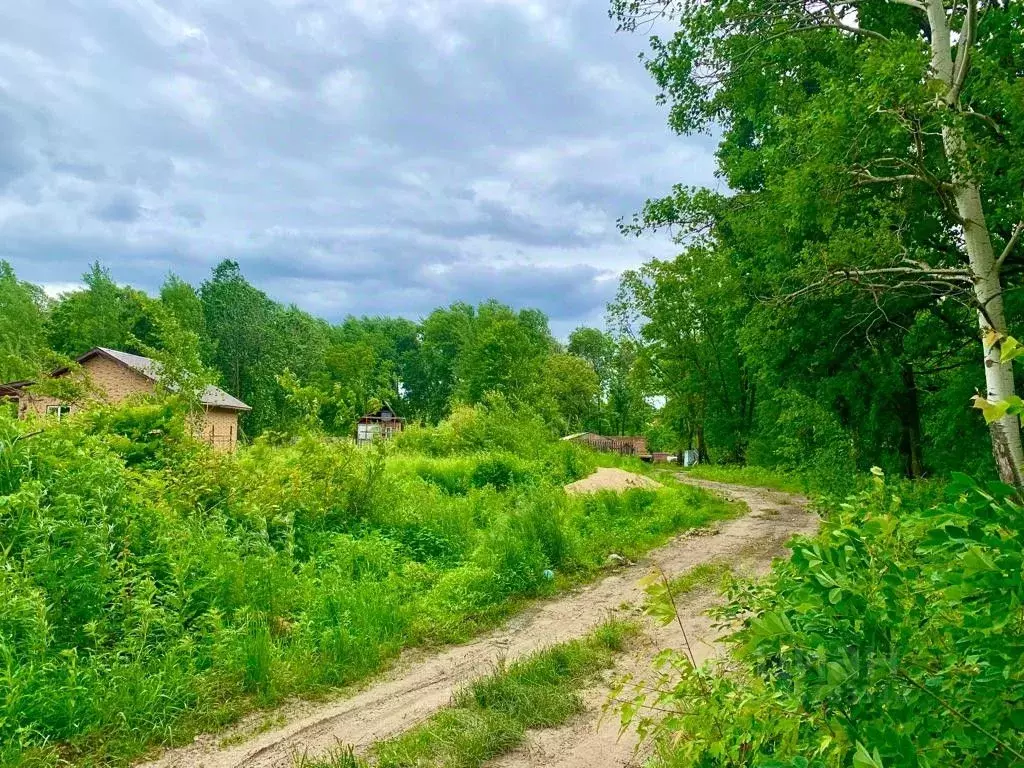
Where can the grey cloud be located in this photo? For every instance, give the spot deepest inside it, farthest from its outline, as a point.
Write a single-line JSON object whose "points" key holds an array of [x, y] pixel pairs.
{"points": [[15, 160], [122, 206], [354, 156], [190, 212]]}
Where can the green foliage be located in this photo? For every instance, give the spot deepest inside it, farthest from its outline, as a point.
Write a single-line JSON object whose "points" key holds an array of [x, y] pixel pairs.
{"points": [[801, 437], [810, 275], [22, 330], [300, 374], [104, 314], [894, 637], [154, 588]]}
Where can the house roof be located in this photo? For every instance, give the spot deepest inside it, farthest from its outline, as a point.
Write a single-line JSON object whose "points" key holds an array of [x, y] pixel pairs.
{"points": [[385, 406], [212, 396], [13, 388]]}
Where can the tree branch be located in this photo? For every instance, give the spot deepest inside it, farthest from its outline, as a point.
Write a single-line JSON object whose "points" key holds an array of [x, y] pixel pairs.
{"points": [[865, 177], [968, 33], [1014, 237]]}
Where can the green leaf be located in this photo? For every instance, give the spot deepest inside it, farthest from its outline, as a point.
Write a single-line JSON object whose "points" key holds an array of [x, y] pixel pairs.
{"points": [[976, 561], [1010, 349], [864, 759], [991, 411]]}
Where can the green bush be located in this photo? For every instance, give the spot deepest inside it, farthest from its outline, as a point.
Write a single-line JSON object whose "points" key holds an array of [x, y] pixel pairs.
{"points": [[893, 638]]}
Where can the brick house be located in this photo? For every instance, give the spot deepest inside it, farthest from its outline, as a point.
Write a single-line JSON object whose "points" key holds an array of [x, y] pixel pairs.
{"points": [[114, 376]]}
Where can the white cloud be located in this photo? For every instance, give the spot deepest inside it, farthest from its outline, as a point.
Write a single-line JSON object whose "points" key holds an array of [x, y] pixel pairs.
{"points": [[343, 90], [188, 96]]}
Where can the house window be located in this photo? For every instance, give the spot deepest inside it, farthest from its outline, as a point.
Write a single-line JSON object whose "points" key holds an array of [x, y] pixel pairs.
{"points": [[60, 411]]}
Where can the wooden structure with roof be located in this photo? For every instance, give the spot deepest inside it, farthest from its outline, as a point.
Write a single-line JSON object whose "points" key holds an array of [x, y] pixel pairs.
{"points": [[115, 376], [382, 424]]}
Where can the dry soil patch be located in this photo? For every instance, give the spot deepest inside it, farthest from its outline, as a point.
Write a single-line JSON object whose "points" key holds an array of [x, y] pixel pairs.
{"points": [[611, 479]]}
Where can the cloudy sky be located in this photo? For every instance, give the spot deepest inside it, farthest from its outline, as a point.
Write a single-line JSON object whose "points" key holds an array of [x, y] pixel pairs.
{"points": [[355, 156]]}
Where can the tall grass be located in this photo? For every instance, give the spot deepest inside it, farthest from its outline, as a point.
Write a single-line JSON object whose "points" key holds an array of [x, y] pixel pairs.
{"points": [[151, 589]]}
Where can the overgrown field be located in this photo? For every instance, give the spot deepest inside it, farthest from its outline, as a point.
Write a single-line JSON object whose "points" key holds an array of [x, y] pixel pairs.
{"points": [[151, 588]]}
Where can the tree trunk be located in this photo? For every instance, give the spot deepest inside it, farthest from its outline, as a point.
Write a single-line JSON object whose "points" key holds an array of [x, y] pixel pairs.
{"points": [[1005, 432], [702, 450], [910, 425]]}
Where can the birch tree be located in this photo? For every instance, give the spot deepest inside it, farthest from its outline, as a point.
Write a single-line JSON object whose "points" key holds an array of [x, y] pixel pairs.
{"points": [[910, 107]]}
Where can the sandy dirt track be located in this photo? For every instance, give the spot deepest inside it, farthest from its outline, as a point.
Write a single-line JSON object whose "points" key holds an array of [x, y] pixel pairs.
{"points": [[420, 683], [593, 740]]}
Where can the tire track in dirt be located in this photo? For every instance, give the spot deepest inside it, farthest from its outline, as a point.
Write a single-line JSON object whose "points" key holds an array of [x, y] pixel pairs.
{"points": [[595, 741], [421, 683]]}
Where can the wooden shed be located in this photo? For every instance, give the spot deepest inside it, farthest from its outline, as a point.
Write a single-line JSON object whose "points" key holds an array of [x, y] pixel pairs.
{"points": [[626, 445], [380, 425]]}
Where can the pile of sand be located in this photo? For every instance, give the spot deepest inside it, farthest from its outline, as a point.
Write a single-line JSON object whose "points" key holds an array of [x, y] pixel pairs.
{"points": [[609, 479]]}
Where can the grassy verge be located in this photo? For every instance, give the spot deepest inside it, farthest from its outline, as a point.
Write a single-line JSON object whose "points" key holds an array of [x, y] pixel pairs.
{"points": [[748, 475], [491, 715], [699, 576]]}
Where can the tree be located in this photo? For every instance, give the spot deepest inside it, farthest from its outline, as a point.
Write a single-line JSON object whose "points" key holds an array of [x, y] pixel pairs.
{"points": [[893, 147], [574, 387], [505, 353], [627, 410], [23, 309], [433, 373], [183, 302], [248, 346], [684, 317], [104, 314]]}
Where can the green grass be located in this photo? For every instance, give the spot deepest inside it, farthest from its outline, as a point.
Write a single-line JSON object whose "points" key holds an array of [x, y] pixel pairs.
{"points": [[748, 475], [704, 575], [490, 716]]}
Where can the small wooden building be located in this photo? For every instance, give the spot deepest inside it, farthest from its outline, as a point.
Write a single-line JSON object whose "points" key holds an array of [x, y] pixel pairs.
{"points": [[114, 376], [626, 445], [380, 425]]}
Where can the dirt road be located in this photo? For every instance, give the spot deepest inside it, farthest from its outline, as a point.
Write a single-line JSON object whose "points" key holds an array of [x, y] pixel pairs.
{"points": [[750, 544], [421, 684]]}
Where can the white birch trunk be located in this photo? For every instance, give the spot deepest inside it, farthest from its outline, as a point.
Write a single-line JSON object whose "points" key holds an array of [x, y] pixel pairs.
{"points": [[1006, 432]]}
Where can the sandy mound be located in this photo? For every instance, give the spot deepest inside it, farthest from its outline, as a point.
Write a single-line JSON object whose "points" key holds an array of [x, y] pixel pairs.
{"points": [[609, 479]]}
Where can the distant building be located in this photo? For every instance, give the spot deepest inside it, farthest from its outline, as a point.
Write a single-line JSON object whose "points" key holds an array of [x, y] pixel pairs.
{"points": [[635, 445], [381, 425], [116, 376]]}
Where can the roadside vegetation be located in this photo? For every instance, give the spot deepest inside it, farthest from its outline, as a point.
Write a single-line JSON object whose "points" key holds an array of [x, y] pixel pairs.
{"points": [[153, 588], [748, 474], [893, 638]]}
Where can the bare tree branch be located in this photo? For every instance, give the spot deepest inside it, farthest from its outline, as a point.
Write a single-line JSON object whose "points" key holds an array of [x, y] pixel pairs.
{"points": [[968, 33], [1010, 244]]}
